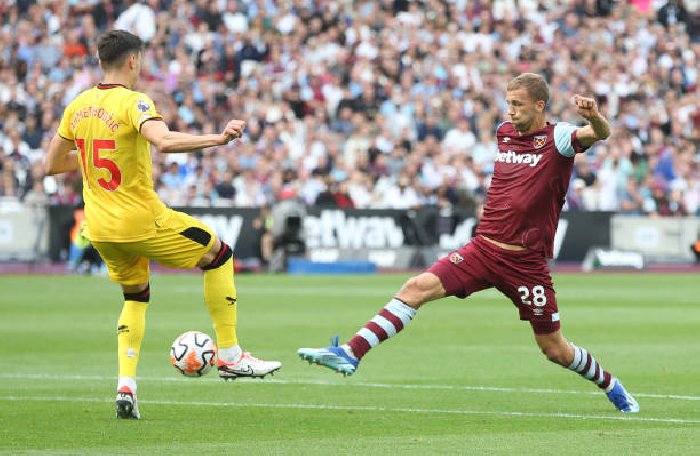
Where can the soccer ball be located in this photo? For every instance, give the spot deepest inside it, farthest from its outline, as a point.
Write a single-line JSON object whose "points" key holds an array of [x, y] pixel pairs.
{"points": [[193, 353]]}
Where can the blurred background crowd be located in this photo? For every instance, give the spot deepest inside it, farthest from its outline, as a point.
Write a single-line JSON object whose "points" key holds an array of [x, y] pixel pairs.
{"points": [[366, 104]]}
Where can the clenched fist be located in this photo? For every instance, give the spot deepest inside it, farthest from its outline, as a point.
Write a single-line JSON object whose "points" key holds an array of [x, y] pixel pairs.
{"points": [[586, 107]]}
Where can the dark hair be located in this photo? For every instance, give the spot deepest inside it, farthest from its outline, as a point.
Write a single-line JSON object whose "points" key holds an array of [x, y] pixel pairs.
{"points": [[115, 45], [535, 85]]}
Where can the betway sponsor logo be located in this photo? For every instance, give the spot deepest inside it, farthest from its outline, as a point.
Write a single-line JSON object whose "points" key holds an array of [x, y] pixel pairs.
{"points": [[335, 229], [512, 157], [460, 236]]}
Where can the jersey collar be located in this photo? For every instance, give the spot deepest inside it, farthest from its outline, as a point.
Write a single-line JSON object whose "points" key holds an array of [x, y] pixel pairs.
{"points": [[102, 86]]}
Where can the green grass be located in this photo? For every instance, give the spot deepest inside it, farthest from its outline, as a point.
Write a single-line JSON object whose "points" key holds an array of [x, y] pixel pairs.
{"points": [[464, 378]]}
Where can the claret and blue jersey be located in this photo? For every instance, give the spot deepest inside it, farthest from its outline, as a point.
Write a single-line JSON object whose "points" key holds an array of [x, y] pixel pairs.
{"points": [[529, 184]]}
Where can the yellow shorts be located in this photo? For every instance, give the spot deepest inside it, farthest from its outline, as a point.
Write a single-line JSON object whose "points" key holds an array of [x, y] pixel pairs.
{"points": [[180, 242]]}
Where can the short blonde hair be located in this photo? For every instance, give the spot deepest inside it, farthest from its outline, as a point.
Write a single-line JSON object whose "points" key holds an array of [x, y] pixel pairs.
{"points": [[535, 85]]}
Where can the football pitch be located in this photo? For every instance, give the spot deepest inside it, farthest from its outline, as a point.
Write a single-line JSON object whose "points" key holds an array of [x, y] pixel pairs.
{"points": [[464, 378]]}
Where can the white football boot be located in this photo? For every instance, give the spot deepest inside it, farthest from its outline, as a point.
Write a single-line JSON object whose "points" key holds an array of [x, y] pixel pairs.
{"points": [[247, 366], [127, 408]]}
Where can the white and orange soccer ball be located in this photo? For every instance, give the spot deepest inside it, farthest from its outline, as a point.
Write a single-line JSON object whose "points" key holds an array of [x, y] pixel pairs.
{"points": [[193, 353]]}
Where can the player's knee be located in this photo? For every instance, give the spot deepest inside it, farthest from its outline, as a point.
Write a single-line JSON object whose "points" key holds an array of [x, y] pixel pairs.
{"points": [[419, 289], [556, 354], [218, 259], [209, 256], [140, 292]]}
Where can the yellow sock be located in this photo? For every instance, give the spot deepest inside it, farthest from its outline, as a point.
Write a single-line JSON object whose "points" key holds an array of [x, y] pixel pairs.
{"points": [[130, 330], [220, 296]]}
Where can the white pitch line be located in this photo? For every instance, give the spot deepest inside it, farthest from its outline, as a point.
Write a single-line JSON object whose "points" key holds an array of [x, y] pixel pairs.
{"points": [[349, 383], [365, 408]]}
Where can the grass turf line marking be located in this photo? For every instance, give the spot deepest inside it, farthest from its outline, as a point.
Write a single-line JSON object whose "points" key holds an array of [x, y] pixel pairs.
{"points": [[360, 408], [348, 384]]}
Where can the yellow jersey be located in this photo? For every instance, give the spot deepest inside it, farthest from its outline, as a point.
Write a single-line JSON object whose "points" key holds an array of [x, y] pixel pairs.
{"points": [[115, 161]]}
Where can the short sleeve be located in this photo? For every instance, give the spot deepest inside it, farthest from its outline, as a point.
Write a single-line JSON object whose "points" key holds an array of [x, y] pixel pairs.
{"points": [[64, 130], [564, 137], [141, 109], [499, 125]]}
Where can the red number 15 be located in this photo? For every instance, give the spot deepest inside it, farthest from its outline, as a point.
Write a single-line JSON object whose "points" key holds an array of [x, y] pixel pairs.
{"points": [[102, 163]]}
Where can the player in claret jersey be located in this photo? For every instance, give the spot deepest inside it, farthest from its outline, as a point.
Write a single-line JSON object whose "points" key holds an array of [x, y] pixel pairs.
{"points": [[112, 127], [512, 243]]}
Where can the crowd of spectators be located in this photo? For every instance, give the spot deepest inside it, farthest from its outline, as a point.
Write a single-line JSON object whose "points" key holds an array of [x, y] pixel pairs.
{"points": [[366, 104]]}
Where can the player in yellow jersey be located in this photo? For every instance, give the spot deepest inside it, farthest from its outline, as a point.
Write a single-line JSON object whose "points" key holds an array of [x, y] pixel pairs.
{"points": [[107, 133]]}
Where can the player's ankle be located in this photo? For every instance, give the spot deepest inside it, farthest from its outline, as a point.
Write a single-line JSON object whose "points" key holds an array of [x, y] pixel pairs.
{"points": [[128, 382], [230, 354], [348, 350]]}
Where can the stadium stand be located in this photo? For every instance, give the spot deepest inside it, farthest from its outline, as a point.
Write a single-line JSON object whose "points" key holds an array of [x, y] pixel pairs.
{"points": [[376, 104]]}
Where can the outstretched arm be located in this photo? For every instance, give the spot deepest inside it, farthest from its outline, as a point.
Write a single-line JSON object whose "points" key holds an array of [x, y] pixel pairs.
{"points": [[61, 157], [597, 128], [158, 134]]}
